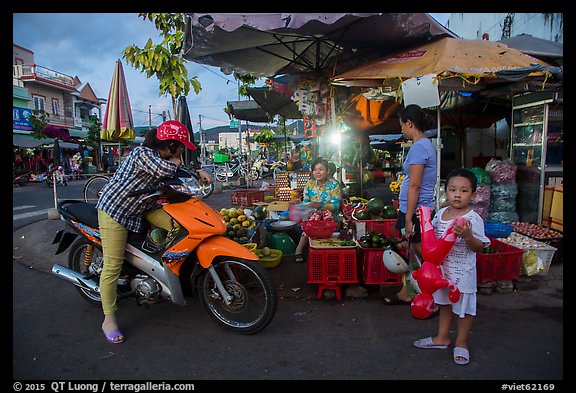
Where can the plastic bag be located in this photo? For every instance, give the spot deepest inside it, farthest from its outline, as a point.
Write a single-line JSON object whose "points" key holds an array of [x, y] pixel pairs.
{"points": [[265, 186], [503, 217], [482, 210], [501, 171], [481, 174], [483, 193], [503, 197], [299, 211]]}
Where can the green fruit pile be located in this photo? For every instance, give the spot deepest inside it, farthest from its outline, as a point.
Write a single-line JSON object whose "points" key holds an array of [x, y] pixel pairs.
{"points": [[375, 240], [238, 224]]}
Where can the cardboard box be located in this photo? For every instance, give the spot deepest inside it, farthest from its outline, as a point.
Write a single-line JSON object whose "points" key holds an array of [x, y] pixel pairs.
{"points": [[547, 206], [278, 206], [557, 210]]}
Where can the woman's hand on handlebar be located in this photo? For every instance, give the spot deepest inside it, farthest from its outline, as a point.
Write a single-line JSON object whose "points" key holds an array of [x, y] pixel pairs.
{"points": [[204, 176]]}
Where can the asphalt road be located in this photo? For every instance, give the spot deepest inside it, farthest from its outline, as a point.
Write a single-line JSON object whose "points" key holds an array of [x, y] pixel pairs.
{"points": [[516, 337]]}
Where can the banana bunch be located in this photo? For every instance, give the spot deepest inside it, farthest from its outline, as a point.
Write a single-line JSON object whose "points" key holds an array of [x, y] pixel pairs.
{"points": [[395, 185]]}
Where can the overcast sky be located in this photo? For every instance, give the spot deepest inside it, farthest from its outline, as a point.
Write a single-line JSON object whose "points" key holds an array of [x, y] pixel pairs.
{"points": [[87, 46]]}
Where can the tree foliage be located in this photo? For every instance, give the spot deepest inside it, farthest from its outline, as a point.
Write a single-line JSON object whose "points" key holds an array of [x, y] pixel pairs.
{"points": [[39, 119], [165, 60]]}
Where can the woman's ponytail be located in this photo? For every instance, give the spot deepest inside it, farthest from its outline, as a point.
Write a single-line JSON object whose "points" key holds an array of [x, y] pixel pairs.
{"points": [[422, 120]]}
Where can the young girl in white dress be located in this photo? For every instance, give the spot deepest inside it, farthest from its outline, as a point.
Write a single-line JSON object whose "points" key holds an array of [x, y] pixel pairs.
{"points": [[459, 266]]}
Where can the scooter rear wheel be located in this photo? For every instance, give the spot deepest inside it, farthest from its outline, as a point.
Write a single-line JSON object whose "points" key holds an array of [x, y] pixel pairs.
{"points": [[76, 262], [254, 297]]}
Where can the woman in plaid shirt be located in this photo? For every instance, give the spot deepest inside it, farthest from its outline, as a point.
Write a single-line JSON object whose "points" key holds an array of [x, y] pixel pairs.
{"points": [[158, 157]]}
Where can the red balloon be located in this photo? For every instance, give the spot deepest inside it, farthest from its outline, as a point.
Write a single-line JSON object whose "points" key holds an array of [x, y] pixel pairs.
{"points": [[454, 293], [429, 278], [421, 306], [429, 275], [434, 250]]}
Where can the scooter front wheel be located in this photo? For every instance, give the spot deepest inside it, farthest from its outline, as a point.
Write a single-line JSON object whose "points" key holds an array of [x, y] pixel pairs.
{"points": [[253, 298]]}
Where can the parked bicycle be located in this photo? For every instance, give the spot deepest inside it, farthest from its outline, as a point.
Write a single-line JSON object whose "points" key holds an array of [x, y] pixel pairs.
{"points": [[235, 167], [93, 188]]}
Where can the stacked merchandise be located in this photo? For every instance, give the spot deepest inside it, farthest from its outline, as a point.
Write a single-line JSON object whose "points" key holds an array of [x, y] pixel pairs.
{"points": [[481, 203], [503, 191]]}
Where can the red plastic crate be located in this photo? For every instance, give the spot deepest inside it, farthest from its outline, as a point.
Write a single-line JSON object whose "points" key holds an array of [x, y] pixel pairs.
{"points": [[332, 266], [384, 226], [504, 265], [372, 267], [247, 197]]}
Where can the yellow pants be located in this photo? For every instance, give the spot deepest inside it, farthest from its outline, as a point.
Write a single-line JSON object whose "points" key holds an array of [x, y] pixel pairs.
{"points": [[114, 239]]}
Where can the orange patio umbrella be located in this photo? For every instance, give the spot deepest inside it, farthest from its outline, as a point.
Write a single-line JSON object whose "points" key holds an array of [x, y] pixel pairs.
{"points": [[118, 123], [464, 61]]}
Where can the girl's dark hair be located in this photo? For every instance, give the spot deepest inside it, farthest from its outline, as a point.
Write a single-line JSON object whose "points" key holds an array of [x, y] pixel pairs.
{"points": [[152, 142], [422, 120], [461, 172], [319, 160]]}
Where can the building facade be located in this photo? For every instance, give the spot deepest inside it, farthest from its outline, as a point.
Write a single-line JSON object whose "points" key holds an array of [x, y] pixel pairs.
{"points": [[498, 26], [67, 101]]}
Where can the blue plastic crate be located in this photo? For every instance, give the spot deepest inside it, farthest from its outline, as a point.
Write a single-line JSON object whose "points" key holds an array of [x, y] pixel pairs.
{"points": [[496, 229]]}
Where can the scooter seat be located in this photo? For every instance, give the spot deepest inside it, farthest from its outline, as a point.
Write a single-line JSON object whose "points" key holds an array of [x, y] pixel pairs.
{"points": [[83, 212]]}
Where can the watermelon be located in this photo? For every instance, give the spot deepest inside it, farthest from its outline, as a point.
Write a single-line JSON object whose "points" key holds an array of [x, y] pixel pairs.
{"points": [[260, 212], [362, 215], [375, 206], [389, 211]]}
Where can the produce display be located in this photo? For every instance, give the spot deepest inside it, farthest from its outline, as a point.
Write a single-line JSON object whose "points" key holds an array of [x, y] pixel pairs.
{"points": [[331, 242], [238, 223], [373, 209], [524, 242], [376, 240], [536, 231]]}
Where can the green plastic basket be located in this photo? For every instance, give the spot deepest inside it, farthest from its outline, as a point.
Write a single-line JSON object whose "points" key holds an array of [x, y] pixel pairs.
{"points": [[219, 158]]}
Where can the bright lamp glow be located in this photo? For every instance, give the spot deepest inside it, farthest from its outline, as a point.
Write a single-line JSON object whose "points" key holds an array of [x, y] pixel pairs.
{"points": [[336, 137]]}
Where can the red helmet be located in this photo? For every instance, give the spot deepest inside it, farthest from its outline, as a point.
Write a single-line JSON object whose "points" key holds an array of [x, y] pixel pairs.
{"points": [[175, 131]]}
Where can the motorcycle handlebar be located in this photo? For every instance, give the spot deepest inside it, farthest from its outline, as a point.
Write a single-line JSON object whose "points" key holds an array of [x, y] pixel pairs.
{"points": [[146, 190]]}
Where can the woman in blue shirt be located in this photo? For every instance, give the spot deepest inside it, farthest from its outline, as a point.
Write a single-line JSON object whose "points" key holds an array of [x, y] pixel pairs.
{"points": [[418, 186]]}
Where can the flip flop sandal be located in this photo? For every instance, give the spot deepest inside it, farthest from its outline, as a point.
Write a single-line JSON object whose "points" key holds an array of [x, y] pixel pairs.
{"points": [[427, 343], [461, 356], [114, 337], [393, 300], [299, 258]]}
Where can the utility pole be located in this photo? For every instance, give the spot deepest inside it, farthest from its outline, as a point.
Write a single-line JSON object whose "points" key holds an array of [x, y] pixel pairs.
{"points": [[150, 116], [239, 126], [202, 141]]}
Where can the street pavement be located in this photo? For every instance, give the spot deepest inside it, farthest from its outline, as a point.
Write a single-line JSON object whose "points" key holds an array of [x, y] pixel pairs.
{"points": [[516, 337]]}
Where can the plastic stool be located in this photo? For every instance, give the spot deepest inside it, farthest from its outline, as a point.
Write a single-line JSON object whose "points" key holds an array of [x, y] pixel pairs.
{"points": [[336, 287]]}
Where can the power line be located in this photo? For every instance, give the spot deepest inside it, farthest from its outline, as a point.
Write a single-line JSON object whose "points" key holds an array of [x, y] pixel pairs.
{"points": [[217, 74]]}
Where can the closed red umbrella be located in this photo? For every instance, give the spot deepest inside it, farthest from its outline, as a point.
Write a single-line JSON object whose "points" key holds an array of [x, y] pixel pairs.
{"points": [[118, 123]]}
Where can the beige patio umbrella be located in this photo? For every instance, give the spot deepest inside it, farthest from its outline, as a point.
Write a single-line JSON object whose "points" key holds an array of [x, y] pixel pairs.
{"points": [[118, 123], [458, 64]]}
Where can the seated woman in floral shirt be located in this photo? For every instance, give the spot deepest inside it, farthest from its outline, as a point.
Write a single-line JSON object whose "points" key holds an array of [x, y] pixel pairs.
{"points": [[321, 193]]}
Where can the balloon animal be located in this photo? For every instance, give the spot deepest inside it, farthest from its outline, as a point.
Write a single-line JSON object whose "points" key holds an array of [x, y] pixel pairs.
{"points": [[429, 276]]}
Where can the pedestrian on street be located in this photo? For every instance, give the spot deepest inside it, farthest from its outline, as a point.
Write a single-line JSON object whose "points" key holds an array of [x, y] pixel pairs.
{"points": [[459, 266], [418, 186]]}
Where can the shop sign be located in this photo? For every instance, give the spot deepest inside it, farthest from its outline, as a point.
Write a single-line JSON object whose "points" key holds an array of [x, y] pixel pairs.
{"points": [[20, 118], [421, 90]]}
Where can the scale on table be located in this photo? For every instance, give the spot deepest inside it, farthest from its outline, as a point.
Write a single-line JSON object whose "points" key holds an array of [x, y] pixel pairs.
{"points": [[280, 240]]}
